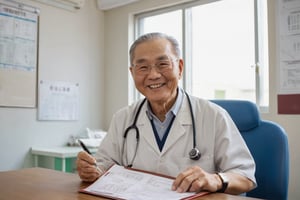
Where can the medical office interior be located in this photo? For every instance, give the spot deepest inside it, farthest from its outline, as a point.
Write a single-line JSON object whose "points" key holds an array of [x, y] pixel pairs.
{"points": [[89, 47]]}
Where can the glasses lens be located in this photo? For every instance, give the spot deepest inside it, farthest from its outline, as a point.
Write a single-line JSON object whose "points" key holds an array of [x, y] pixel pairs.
{"points": [[161, 66]]}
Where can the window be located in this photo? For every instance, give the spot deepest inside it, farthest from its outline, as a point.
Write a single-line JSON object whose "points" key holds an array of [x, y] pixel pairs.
{"points": [[224, 46]]}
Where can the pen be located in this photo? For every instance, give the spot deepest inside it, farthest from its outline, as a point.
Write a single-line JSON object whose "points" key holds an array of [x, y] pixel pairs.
{"points": [[88, 151], [84, 147]]}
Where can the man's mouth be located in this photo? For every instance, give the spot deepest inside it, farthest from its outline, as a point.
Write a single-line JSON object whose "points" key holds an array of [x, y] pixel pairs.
{"points": [[154, 86]]}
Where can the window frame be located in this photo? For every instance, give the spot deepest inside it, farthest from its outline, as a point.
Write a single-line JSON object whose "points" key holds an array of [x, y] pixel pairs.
{"points": [[187, 80]]}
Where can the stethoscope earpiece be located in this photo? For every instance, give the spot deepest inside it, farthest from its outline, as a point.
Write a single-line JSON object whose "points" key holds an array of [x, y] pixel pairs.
{"points": [[194, 154]]}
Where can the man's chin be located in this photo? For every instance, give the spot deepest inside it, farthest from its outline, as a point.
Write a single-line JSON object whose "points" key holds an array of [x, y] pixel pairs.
{"points": [[157, 98]]}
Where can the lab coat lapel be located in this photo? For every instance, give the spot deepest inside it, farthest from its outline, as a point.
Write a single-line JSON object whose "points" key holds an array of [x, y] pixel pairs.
{"points": [[177, 130], [146, 130]]}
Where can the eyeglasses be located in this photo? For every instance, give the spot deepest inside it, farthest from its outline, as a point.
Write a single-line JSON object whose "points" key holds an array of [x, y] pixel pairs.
{"points": [[160, 66]]}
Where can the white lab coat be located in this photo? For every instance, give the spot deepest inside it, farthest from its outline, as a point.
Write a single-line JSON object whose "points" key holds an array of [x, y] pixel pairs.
{"points": [[221, 146]]}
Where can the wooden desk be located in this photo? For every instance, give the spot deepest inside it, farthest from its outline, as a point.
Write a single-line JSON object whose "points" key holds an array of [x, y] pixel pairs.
{"points": [[48, 184]]}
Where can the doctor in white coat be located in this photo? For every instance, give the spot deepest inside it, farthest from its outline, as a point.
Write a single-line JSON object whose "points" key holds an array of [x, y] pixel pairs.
{"points": [[171, 132]]}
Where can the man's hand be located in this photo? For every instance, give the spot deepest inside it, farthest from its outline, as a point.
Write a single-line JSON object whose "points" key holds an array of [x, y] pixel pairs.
{"points": [[195, 179], [86, 167]]}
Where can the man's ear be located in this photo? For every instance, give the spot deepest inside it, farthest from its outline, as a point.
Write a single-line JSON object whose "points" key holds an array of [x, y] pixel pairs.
{"points": [[181, 67], [131, 70]]}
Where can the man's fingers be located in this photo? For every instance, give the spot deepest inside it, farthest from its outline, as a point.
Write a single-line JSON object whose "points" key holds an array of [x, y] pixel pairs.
{"points": [[86, 167], [87, 176], [189, 180], [183, 181], [86, 157]]}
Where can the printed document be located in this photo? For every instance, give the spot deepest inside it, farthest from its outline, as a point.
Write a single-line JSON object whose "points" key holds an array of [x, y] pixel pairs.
{"points": [[289, 46], [124, 183]]}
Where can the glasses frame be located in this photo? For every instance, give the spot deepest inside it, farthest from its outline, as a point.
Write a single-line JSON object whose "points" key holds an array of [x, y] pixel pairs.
{"points": [[145, 69]]}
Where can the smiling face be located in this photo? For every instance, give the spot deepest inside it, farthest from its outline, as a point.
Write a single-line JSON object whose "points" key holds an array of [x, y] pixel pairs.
{"points": [[159, 87]]}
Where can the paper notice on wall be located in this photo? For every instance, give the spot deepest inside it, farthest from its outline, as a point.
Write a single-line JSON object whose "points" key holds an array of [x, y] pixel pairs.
{"points": [[18, 38], [58, 100], [289, 46], [288, 37]]}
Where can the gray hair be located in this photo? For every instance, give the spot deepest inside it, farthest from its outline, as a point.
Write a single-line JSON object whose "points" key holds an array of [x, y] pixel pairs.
{"points": [[152, 36]]}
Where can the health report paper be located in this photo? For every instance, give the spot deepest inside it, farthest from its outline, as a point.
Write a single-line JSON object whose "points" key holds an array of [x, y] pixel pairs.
{"points": [[126, 183]]}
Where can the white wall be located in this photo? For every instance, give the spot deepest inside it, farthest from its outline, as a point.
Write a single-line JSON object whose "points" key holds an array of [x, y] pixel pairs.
{"points": [[118, 30], [70, 49]]}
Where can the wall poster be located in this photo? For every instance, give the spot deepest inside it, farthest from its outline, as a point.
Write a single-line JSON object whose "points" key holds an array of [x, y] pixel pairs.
{"points": [[288, 18], [58, 100], [18, 54]]}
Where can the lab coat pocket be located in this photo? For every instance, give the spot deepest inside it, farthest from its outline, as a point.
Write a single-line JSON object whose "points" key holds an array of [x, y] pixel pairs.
{"points": [[206, 162]]}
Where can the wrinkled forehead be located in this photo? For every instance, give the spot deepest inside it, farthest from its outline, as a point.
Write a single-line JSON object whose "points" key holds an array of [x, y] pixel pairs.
{"points": [[156, 49]]}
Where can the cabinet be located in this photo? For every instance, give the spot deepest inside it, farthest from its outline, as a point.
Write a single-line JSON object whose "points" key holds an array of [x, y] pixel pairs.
{"points": [[63, 158]]}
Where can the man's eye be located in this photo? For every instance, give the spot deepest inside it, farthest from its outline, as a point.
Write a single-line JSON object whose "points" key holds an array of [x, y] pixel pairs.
{"points": [[143, 68], [163, 64]]}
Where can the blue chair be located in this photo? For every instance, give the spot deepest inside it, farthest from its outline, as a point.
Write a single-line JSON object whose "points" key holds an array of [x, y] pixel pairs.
{"points": [[268, 144]]}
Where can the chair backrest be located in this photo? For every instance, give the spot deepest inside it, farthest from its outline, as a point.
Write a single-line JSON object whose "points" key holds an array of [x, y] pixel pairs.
{"points": [[268, 144]]}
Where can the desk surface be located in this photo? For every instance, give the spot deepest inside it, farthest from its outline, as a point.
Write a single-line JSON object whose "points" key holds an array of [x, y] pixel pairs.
{"points": [[47, 184]]}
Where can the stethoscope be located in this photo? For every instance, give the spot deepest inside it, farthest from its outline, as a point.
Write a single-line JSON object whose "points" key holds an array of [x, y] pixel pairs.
{"points": [[194, 153]]}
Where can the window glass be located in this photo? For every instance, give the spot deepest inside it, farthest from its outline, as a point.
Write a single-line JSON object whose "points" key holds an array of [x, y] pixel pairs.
{"points": [[223, 50], [169, 23], [224, 44]]}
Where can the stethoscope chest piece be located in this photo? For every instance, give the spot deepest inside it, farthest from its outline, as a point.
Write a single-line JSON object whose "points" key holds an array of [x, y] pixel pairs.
{"points": [[194, 154]]}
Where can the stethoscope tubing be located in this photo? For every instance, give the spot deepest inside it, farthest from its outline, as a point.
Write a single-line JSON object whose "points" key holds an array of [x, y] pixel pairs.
{"points": [[137, 133]]}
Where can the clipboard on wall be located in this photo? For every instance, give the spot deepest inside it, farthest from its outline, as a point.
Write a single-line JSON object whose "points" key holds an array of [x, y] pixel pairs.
{"points": [[19, 24]]}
